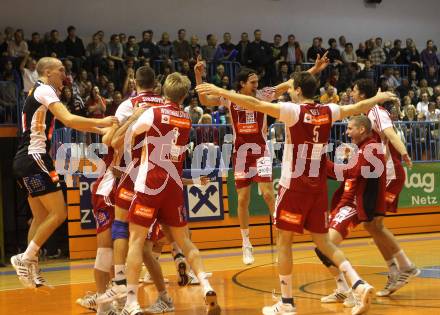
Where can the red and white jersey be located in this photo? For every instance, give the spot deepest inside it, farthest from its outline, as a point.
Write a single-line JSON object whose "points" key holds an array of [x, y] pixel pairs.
{"points": [[308, 129], [381, 120], [167, 130], [249, 126], [104, 184]]}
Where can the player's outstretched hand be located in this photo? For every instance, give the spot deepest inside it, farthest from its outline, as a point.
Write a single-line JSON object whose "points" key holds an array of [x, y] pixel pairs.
{"points": [[407, 160], [199, 68], [385, 96], [208, 89], [108, 121], [321, 62]]}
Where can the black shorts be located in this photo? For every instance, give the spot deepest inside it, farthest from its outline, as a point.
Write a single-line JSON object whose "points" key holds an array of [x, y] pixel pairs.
{"points": [[36, 173]]}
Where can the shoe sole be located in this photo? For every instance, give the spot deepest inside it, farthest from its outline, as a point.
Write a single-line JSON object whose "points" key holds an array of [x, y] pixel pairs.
{"points": [[213, 307], [367, 299], [183, 277], [87, 308], [25, 283]]}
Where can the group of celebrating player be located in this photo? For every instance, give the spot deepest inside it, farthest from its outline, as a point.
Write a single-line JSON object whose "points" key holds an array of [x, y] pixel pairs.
{"points": [[138, 201]]}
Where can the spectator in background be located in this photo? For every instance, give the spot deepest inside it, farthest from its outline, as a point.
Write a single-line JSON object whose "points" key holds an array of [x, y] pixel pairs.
{"points": [[283, 74], [362, 53], [433, 113], [429, 56], [3, 46], [10, 74], [123, 39], [226, 51], [113, 105], [108, 92], [182, 49], [113, 74], [345, 99], [8, 97], [403, 89], [18, 47], [220, 116], [436, 93], [68, 66], [102, 85], [55, 47], [147, 49], [422, 106], [386, 50], [316, 49], [390, 79], [330, 96], [189, 72], [348, 55], [36, 46], [194, 110], [437, 102], [276, 48], [342, 43], [406, 102], [226, 83], [165, 47], [96, 51], [95, 104], [424, 88], [242, 47], [259, 54], [115, 50], [217, 78], [195, 47], [410, 113], [396, 53], [73, 105], [129, 88], [73, 44], [368, 72], [208, 50], [333, 53], [289, 52], [28, 68], [432, 76], [412, 58], [131, 49], [377, 55]]}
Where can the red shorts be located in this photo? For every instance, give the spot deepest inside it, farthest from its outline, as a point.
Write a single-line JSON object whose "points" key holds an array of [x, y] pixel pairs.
{"points": [[167, 207], [155, 233], [296, 211], [394, 187], [344, 220], [124, 192], [252, 168], [103, 211]]}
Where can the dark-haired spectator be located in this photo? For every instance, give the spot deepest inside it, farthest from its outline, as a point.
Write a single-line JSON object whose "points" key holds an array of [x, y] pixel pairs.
{"points": [[348, 55], [95, 104], [377, 55], [334, 55], [290, 52], [208, 50], [73, 44], [362, 53], [8, 97], [429, 56], [226, 51], [386, 49], [316, 49], [241, 47], [330, 96], [217, 77], [396, 56], [403, 89], [18, 47], [182, 49], [283, 74], [189, 72], [424, 87], [74, 104], [131, 49], [113, 74], [108, 92], [36, 46], [113, 106], [115, 49], [96, 51], [259, 53], [342, 42], [68, 68], [3, 45], [433, 113], [123, 39], [165, 47], [194, 110], [195, 47], [55, 47], [390, 79], [102, 85], [226, 83], [10, 74], [28, 68], [147, 49]]}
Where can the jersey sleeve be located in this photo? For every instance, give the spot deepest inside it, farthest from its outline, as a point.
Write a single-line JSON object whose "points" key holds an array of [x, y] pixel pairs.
{"points": [[289, 113], [144, 122], [336, 111], [266, 94], [124, 111], [46, 95], [382, 119]]}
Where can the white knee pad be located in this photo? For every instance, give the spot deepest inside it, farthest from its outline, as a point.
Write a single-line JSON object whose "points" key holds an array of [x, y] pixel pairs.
{"points": [[104, 259]]}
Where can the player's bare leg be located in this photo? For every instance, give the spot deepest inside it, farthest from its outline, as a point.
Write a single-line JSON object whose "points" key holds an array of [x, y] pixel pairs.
{"points": [[192, 254], [244, 195], [268, 194], [39, 214], [401, 269], [26, 264], [363, 292]]}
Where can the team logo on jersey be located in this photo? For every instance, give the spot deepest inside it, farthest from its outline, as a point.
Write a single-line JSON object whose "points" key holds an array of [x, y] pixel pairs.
{"points": [[126, 194], [143, 211], [316, 119], [165, 119], [293, 218]]}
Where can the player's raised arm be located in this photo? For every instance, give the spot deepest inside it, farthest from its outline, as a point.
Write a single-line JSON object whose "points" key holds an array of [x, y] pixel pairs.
{"points": [[244, 101], [207, 100], [365, 105], [397, 143], [119, 135]]}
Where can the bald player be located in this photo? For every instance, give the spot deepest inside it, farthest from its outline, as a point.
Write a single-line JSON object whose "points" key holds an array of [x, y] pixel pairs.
{"points": [[34, 168]]}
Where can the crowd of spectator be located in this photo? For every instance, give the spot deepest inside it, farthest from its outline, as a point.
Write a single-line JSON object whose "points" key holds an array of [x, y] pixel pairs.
{"points": [[100, 74]]}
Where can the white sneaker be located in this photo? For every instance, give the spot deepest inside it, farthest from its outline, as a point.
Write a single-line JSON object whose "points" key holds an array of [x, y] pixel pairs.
{"points": [[110, 311], [211, 303], [193, 280], [335, 297], [182, 269], [279, 308], [248, 257], [147, 279], [24, 269], [113, 293], [88, 301], [404, 276], [38, 278], [363, 296], [350, 300], [132, 309], [160, 306], [390, 286]]}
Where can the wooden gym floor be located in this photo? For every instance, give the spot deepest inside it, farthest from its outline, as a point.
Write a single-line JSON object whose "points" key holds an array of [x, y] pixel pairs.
{"points": [[245, 290]]}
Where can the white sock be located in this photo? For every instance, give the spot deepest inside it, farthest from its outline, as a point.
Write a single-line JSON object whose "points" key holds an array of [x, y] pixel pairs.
{"points": [[204, 282], [341, 283], [120, 272], [132, 290], [175, 250], [403, 260], [392, 266], [286, 286], [349, 272], [156, 255], [31, 251], [103, 307], [245, 237]]}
